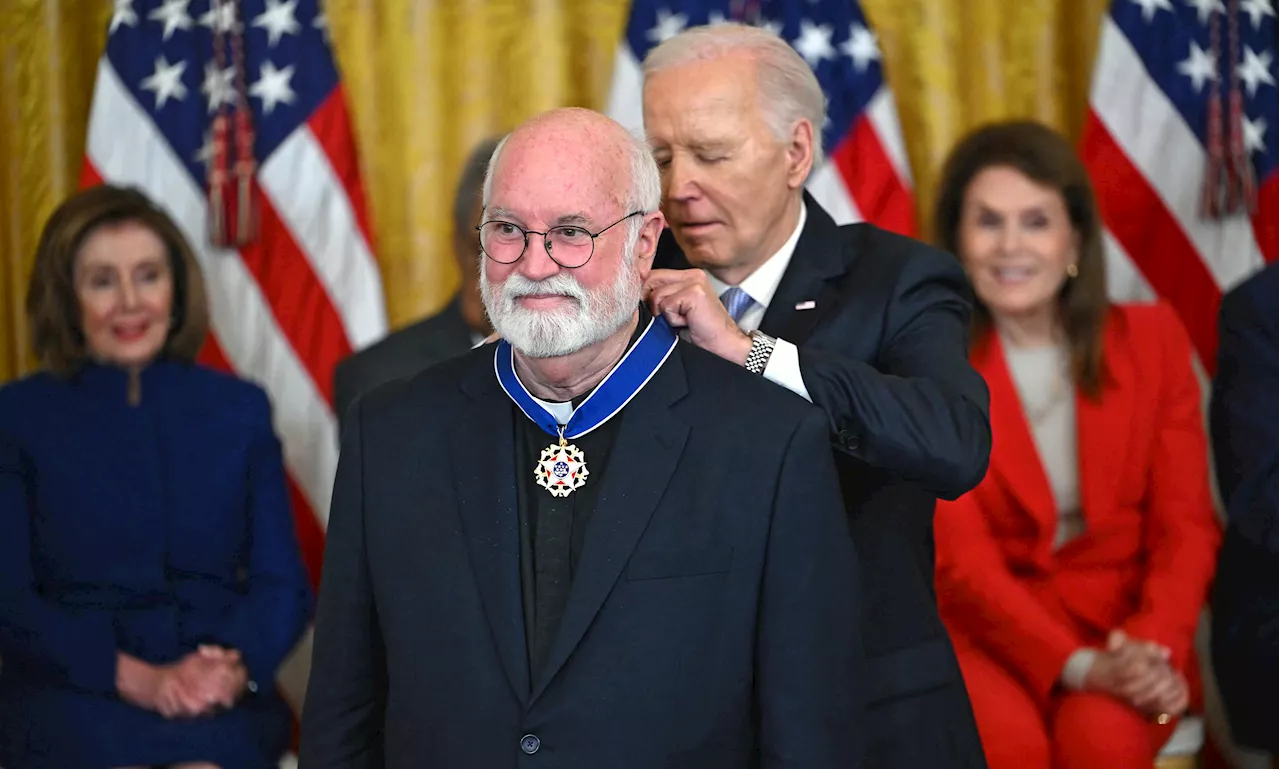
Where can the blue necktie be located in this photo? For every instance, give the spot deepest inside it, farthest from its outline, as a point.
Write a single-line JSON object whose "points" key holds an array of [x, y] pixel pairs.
{"points": [[737, 302]]}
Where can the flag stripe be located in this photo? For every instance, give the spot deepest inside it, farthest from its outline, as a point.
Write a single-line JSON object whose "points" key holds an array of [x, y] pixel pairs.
{"points": [[331, 126], [873, 183], [321, 238], [1152, 238], [1145, 125], [884, 119], [240, 317], [298, 299]]}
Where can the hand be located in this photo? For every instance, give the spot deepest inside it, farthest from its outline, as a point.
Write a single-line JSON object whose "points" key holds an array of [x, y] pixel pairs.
{"points": [[1160, 690], [154, 687], [685, 298], [1138, 672], [217, 676]]}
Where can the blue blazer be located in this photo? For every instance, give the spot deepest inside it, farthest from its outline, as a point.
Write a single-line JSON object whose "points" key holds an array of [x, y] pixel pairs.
{"points": [[712, 620], [1243, 416], [149, 530]]}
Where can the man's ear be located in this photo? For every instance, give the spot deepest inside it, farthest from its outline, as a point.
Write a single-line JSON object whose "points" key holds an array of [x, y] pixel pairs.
{"points": [[647, 242], [800, 153]]}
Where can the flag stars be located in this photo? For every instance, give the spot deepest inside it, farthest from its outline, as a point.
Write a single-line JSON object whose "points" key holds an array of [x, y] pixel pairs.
{"points": [[861, 46], [221, 17], [814, 43], [1255, 70], [772, 26], [122, 14], [1256, 10], [321, 23], [1206, 8], [218, 88], [273, 87], [1255, 134], [669, 25], [1199, 66], [279, 20], [204, 155], [166, 81], [1149, 8], [173, 15]]}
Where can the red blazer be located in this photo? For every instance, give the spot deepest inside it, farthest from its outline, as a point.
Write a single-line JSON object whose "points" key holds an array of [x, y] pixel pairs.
{"points": [[1147, 556]]}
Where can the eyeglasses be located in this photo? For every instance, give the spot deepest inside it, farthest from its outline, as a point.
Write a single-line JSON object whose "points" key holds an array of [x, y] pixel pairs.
{"points": [[567, 245]]}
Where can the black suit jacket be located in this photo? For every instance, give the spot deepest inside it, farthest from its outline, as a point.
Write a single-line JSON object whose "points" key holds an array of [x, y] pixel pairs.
{"points": [[1243, 417], [400, 354], [701, 629], [884, 352]]}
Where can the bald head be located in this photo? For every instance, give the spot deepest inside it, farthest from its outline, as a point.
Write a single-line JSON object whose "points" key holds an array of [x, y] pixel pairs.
{"points": [[616, 164]]}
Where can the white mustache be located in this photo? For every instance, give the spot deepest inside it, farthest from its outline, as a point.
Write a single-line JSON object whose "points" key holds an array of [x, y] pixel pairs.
{"points": [[516, 286]]}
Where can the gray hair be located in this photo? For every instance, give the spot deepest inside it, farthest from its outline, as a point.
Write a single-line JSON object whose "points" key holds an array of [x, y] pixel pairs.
{"points": [[469, 186], [789, 91], [643, 194]]}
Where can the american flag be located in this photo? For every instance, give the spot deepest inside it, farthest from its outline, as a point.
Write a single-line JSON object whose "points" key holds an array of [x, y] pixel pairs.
{"points": [[1148, 140], [866, 176], [288, 305]]}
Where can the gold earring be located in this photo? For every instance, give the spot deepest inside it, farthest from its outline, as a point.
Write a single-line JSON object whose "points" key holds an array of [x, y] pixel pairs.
{"points": [[1072, 271]]}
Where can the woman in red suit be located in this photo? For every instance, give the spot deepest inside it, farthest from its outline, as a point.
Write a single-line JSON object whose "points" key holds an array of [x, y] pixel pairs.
{"points": [[1071, 579]]}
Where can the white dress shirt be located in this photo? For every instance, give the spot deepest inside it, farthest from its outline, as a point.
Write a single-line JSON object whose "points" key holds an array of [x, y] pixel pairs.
{"points": [[784, 364]]}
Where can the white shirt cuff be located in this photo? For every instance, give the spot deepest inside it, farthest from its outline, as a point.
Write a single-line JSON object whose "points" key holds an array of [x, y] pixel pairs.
{"points": [[784, 368], [1077, 668]]}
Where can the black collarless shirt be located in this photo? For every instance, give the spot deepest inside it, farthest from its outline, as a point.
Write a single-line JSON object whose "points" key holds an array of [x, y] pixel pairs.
{"points": [[553, 530]]}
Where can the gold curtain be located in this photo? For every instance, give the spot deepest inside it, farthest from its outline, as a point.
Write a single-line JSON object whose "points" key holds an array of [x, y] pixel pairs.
{"points": [[427, 79]]}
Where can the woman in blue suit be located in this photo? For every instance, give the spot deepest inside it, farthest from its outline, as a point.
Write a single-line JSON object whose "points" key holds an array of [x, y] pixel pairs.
{"points": [[150, 579]]}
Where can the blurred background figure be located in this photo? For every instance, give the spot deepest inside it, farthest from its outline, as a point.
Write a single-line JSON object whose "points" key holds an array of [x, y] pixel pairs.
{"points": [[1073, 577], [1243, 422], [345, 128], [150, 580], [461, 325]]}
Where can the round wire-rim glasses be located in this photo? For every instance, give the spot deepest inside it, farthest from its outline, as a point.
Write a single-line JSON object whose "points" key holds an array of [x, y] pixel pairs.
{"points": [[569, 245]]}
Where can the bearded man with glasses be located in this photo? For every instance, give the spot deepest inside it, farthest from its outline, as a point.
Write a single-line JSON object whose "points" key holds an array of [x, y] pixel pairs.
{"points": [[568, 548]]}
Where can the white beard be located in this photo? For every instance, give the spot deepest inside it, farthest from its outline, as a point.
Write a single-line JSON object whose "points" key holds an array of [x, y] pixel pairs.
{"points": [[590, 319]]}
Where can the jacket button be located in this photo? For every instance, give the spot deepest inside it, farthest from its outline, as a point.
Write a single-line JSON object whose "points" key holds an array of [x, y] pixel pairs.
{"points": [[530, 744], [849, 440]]}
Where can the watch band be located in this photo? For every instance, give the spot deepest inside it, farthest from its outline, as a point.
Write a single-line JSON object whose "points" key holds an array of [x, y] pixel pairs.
{"points": [[761, 350]]}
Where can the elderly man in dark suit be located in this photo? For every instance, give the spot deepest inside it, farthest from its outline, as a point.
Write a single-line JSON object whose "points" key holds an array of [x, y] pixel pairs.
{"points": [[570, 548], [452, 331], [1243, 417], [870, 326]]}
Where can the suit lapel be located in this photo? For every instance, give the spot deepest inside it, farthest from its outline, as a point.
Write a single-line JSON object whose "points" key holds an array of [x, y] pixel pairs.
{"points": [[1014, 456], [817, 258], [483, 441], [1103, 431], [646, 452]]}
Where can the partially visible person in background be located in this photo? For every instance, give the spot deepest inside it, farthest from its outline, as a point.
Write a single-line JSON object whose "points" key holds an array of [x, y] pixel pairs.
{"points": [[150, 579], [1243, 417], [461, 325], [1072, 578]]}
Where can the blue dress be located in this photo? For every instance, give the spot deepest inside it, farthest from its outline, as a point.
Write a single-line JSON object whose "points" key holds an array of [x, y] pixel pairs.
{"points": [[145, 529]]}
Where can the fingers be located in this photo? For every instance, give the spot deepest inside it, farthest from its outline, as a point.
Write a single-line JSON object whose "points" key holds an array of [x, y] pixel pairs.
{"points": [[1141, 685], [674, 303], [178, 700], [659, 278], [1177, 699], [1150, 697]]}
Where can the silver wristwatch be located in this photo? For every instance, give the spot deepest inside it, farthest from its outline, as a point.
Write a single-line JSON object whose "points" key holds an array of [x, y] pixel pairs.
{"points": [[761, 349]]}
